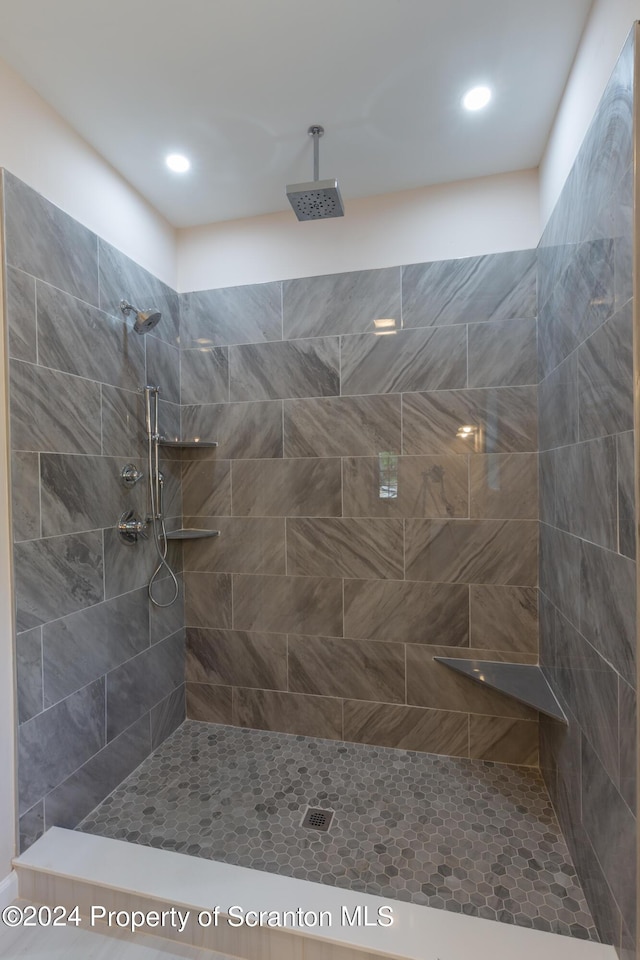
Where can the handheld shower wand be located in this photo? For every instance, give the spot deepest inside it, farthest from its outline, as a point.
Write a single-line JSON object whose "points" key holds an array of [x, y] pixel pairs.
{"points": [[156, 485]]}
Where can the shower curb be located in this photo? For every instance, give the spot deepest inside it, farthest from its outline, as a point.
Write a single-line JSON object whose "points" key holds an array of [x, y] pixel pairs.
{"points": [[68, 868]]}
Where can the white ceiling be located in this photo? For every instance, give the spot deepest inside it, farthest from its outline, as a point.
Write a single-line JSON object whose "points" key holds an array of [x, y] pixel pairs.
{"points": [[234, 84]]}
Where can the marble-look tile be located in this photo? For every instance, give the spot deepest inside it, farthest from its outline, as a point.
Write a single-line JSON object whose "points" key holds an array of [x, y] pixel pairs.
{"points": [[503, 740], [432, 684], [129, 566], [208, 702], [355, 669], [206, 488], [75, 797], [123, 432], [167, 716], [558, 405], [163, 367], [621, 207], [204, 375], [31, 826], [342, 426], [69, 425], [340, 302], [79, 339], [547, 486], [626, 495], [301, 605], [207, 599], [402, 612], [407, 728], [611, 828], [29, 674], [123, 279], [586, 491], [57, 576], [25, 496], [21, 315], [139, 684], [55, 743], [504, 486], [473, 551], [504, 618], [605, 378], [165, 621], [504, 420], [365, 549], [288, 713], [500, 286], [287, 488], [172, 506], [503, 353], [247, 314], [252, 545], [608, 606], [589, 687], [627, 743], [84, 493], [47, 243], [169, 415], [242, 430], [237, 658], [275, 371], [396, 486], [560, 570], [410, 360], [85, 645]]}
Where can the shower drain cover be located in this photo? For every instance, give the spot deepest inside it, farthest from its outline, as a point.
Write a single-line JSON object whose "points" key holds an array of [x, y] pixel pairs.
{"points": [[315, 819]]}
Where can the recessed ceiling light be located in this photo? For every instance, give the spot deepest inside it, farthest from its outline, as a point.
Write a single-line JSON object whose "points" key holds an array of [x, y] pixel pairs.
{"points": [[178, 163], [476, 98]]}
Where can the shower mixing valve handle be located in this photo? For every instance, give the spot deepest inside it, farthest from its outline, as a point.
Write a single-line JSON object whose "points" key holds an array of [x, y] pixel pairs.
{"points": [[131, 528]]}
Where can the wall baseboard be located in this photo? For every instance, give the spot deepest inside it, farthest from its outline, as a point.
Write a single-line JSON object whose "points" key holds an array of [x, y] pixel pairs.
{"points": [[8, 890]]}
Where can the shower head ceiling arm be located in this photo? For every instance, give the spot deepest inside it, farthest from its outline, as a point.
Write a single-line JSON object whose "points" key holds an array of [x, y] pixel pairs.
{"points": [[316, 131], [317, 199]]}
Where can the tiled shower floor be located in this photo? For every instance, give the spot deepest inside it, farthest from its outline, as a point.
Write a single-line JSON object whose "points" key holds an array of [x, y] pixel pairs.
{"points": [[463, 835]]}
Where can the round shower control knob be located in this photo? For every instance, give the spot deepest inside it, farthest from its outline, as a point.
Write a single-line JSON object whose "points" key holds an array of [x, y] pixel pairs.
{"points": [[131, 528], [130, 475]]}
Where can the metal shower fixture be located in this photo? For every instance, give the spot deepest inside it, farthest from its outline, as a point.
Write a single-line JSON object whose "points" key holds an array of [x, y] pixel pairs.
{"points": [[318, 199], [145, 320]]}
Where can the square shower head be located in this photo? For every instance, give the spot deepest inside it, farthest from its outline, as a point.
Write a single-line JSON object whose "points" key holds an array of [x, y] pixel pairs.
{"points": [[316, 200]]}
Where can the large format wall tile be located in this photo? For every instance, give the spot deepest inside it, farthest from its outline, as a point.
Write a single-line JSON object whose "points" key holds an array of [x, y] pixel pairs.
{"points": [[626, 495], [287, 488], [245, 545], [501, 286], [248, 314], [29, 674], [207, 599], [403, 612], [25, 495], [274, 371], [57, 576], [302, 605], [163, 367], [47, 243], [504, 618], [237, 658], [345, 547], [70, 425], [558, 405], [341, 302], [503, 740], [82, 340], [407, 728], [473, 551], [206, 488], [210, 703], [560, 570], [586, 494], [504, 486], [504, 420], [21, 315], [123, 433], [396, 486], [503, 353], [410, 360], [58, 741], [204, 375], [288, 713], [360, 669], [342, 426], [167, 715], [608, 594], [241, 429], [605, 378]]}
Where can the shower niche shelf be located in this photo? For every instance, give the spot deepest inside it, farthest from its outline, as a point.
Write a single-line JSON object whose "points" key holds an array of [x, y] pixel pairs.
{"points": [[524, 682], [188, 444], [192, 534]]}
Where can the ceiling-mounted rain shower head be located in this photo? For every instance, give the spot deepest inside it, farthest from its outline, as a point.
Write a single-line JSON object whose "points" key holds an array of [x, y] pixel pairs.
{"points": [[145, 321], [318, 199]]}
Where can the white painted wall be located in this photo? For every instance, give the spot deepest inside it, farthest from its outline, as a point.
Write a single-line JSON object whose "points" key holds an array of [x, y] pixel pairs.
{"points": [[487, 215], [604, 36], [42, 149]]}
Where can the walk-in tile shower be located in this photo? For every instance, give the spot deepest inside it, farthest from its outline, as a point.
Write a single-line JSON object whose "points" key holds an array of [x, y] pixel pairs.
{"points": [[402, 463]]}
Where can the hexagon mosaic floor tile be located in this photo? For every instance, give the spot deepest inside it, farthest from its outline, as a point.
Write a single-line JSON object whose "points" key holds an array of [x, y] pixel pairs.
{"points": [[462, 835]]}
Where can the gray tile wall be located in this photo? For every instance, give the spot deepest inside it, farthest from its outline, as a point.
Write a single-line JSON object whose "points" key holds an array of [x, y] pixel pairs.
{"points": [[100, 674], [587, 544], [361, 534]]}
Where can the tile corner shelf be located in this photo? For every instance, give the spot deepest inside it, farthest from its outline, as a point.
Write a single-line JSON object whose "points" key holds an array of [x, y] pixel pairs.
{"points": [[192, 534], [188, 444], [524, 682]]}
